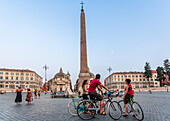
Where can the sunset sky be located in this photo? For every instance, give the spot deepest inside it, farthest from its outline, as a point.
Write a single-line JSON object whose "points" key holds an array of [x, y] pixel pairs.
{"points": [[122, 34]]}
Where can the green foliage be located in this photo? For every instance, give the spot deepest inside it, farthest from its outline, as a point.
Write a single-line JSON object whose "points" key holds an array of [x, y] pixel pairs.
{"points": [[148, 72], [166, 66], [160, 74]]}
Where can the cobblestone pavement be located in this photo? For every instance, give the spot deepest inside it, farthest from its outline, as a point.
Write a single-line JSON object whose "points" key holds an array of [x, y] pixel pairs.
{"points": [[156, 107]]}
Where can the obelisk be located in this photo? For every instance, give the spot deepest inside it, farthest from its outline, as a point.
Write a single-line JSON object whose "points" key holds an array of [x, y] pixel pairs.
{"points": [[84, 70]]}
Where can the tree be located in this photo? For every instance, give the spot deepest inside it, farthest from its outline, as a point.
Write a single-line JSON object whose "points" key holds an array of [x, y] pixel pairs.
{"points": [[160, 75], [148, 72], [166, 66], [167, 70]]}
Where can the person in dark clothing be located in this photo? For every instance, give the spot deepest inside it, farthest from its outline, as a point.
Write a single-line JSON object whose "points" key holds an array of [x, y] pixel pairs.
{"points": [[28, 96], [18, 98]]}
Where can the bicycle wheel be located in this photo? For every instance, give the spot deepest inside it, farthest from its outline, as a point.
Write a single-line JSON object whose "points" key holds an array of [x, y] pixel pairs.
{"points": [[115, 110], [85, 110], [138, 112], [121, 102], [72, 107]]}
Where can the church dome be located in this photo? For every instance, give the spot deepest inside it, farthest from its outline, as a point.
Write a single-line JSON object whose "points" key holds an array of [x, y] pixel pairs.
{"points": [[91, 75], [60, 74]]}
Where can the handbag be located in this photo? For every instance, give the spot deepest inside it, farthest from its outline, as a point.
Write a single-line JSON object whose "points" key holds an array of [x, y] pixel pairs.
{"points": [[27, 99]]}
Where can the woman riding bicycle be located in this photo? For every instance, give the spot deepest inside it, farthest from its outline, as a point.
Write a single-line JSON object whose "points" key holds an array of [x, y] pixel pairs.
{"points": [[85, 90]]}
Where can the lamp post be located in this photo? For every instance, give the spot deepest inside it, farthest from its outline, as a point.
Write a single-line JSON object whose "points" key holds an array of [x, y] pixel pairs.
{"points": [[109, 69], [45, 68]]}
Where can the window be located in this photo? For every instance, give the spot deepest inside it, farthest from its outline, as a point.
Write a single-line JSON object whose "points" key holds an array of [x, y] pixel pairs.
{"points": [[132, 75], [143, 79], [155, 75], [136, 79], [6, 77], [12, 73], [156, 83], [1, 86], [16, 78], [16, 82], [1, 77], [129, 76], [22, 78], [1, 72], [122, 76], [122, 80], [26, 83], [136, 75], [125, 75], [17, 73], [31, 78], [6, 73], [143, 75], [122, 87], [27, 78], [27, 74], [31, 86], [22, 86], [12, 78], [140, 79], [118, 79], [140, 76], [22, 73], [6, 82], [133, 80], [6, 86], [118, 76], [115, 76], [16, 85], [31, 74], [151, 79], [115, 79]]}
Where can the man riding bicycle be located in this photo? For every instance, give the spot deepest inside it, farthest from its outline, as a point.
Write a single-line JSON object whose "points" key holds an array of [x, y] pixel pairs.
{"points": [[93, 94]]}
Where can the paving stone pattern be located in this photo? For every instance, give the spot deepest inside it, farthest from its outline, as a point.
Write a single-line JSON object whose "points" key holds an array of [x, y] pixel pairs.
{"points": [[156, 107]]}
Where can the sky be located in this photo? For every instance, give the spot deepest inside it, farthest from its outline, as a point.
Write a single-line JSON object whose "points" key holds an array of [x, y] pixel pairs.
{"points": [[122, 34]]}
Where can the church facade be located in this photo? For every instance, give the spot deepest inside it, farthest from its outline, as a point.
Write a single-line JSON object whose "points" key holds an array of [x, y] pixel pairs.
{"points": [[61, 82]]}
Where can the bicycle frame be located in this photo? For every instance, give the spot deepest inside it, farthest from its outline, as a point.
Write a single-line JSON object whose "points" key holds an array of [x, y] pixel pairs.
{"points": [[74, 99]]}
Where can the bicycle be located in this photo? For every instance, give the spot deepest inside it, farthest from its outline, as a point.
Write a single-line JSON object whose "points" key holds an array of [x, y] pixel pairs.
{"points": [[87, 109], [72, 106], [133, 107]]}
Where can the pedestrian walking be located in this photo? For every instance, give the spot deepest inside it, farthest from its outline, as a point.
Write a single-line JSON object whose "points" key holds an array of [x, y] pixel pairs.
{"points": [[35, 93], [18, 98], [28, 96], [39, 93]]}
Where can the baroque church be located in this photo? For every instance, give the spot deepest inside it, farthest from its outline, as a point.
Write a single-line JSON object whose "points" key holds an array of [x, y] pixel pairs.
{"points": [[61, 82]]}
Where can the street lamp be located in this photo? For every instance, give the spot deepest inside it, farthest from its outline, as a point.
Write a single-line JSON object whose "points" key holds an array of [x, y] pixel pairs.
{"points": [[109, 69], [45, 68]]}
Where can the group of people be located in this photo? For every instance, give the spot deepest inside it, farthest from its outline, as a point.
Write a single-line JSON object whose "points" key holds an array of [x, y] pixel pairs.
{"points": [[29, 95], [95, 83]]}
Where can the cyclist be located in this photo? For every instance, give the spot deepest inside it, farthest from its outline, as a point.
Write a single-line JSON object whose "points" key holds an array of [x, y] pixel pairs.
{"points": [[127, 95], [85, 90], [95, 83]]}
